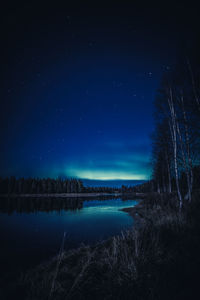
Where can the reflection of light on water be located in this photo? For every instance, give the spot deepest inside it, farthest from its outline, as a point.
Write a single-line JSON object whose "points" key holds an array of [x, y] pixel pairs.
{"points": [[100, 207], [104, 208], [101, 211]]}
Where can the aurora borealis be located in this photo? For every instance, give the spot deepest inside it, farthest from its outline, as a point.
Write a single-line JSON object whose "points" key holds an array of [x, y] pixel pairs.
{"points": [[78, 90]]}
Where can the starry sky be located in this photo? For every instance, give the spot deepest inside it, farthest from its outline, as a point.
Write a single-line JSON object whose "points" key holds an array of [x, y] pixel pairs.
{"points": [[79, 85]]}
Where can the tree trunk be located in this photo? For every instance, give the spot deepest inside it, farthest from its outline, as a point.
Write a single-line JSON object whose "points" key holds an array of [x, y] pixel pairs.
{"points": [[174, 142], [169, 175], [188, 148]]}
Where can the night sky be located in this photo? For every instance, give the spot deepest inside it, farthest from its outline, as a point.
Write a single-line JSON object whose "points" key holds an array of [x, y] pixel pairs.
{"points": [[78, 85]]}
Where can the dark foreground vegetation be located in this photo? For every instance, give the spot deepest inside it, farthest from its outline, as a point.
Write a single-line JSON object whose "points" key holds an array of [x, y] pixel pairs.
{"points": [[157, 259]]}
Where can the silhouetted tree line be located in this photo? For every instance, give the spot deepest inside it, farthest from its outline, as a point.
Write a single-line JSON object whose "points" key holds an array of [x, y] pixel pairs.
{"points": [[127, 189], [13, 185], [176, 140], [145, 187], [152, 185]]}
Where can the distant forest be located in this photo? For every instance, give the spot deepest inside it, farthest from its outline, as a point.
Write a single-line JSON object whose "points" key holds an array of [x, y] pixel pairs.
{"points": [[13, 185]]}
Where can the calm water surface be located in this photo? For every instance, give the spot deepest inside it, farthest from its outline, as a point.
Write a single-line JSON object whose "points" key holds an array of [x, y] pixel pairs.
{"points": [[29, 238]]}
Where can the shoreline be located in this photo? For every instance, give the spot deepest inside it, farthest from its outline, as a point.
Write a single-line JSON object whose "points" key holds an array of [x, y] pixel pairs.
{"points": [[136, 212]]}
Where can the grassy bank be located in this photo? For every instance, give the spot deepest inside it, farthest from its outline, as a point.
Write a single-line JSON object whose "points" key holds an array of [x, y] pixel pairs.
{"points": [[158, 259]]}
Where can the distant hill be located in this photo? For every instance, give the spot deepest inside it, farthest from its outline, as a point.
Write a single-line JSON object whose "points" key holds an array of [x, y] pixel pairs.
{"points": [[111, 183]]}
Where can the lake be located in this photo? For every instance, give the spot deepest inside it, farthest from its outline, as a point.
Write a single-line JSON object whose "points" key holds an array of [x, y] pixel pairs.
{"points": [[28, 238]]}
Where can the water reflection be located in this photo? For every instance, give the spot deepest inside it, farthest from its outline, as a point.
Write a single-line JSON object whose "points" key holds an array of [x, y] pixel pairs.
{"points": [[41, 204], [31, 229], [29, 205]]}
